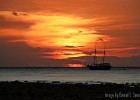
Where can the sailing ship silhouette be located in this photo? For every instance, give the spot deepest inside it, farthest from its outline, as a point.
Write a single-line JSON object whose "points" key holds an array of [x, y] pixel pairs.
{"points": [[99, 66]]}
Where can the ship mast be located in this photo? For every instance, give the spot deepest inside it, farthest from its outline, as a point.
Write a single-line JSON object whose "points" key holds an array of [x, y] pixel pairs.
{"points": [[95, 58], [104, 54]]}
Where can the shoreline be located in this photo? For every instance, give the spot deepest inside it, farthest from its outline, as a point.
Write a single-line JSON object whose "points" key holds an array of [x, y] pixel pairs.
{"points": [[55, 90], [70, 82]]}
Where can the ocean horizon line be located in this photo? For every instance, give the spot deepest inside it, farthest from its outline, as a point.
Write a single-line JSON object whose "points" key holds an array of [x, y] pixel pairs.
{"points": [[59, 67]]}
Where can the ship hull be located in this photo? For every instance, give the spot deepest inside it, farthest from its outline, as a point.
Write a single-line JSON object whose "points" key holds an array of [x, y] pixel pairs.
{"points": [[99, 67]]}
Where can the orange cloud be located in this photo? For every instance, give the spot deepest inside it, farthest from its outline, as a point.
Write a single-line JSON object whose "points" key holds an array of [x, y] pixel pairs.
{"points": [[59, 32], [55, 32]]}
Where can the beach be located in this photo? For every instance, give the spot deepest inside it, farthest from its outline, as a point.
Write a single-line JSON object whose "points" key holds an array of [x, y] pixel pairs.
{"points": [[16, 90]]}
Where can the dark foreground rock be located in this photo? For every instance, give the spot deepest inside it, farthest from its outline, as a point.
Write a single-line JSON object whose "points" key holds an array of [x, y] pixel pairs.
{"points": [[68, 91]]}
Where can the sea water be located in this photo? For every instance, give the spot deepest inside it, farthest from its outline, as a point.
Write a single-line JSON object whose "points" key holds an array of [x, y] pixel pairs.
{"points": [[83, 75]]}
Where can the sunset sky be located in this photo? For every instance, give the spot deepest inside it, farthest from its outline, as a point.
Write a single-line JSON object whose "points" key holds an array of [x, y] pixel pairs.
{"points": [[62, 33]]}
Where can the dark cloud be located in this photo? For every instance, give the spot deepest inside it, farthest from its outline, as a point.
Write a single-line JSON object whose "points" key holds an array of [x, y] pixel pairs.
{"points": [[19, 54], [46, 49], [24, 14], [123, 37], [85, 8], [15, 13], [101, 51], [70, 46], [14, 24], [73, 46], [19, 13], [89, 53]]}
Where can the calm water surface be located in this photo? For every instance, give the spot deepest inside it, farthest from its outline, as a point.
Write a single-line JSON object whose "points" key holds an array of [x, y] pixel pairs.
{"points": [[115, 75]]}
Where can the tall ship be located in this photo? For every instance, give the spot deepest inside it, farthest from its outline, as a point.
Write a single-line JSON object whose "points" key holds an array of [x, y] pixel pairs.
{"points": [[99, 66]]}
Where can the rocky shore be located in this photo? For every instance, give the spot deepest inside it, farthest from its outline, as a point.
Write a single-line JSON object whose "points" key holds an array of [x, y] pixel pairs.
{"points": [[16, 90]]}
